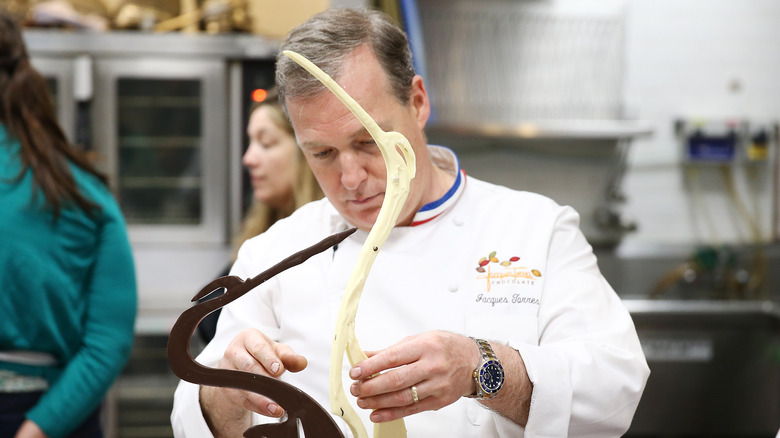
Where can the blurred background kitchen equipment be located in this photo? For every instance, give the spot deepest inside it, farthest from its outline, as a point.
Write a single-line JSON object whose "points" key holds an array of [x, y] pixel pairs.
{"points": [[541, 82]]}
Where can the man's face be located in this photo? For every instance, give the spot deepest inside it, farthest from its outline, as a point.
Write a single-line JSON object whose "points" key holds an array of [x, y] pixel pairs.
{"points": [[343, 156]]}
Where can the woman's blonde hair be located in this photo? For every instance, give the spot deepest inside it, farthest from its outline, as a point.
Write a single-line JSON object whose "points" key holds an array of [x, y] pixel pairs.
{"points": [[305, 187]]}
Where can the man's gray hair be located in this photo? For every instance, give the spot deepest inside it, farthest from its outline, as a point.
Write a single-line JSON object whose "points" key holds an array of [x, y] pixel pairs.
{"points": [[328, 37]]}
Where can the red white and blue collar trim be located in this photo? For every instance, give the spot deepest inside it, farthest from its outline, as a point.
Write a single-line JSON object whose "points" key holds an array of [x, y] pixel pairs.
{"points": [[434, 209]]}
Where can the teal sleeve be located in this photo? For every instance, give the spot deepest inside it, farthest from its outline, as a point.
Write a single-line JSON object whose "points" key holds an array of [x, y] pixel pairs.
{"points": [[107, 338]]}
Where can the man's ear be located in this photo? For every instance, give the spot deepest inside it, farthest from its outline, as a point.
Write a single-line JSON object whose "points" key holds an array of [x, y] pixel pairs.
{"points": [[418, 99]]}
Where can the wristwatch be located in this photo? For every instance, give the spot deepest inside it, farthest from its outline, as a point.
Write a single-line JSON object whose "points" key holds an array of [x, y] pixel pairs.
{"points": [[489, 374]]}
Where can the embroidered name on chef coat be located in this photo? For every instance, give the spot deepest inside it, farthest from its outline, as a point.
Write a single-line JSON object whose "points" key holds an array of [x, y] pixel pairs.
{"points": [[507, 280]]}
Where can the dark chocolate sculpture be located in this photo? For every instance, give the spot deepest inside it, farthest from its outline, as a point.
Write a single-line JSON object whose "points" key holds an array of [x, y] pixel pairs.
{"points": [[302, 411]]}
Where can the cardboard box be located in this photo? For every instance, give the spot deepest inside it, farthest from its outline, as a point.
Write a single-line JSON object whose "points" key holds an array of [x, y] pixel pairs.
{"points": [[275, 18]]}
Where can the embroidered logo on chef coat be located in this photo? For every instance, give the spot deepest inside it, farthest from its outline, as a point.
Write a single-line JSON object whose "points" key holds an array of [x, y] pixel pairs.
{"points": [[491, 258], [504, 279], [495, 271]]}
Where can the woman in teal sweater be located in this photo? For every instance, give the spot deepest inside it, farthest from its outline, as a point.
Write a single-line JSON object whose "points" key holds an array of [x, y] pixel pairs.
{"points": [[68, 292]]}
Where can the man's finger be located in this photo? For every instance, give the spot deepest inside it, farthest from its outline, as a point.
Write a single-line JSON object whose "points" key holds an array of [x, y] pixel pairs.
{"points": [[389, 358], [262, 405], [291, 360], [264, 353]]}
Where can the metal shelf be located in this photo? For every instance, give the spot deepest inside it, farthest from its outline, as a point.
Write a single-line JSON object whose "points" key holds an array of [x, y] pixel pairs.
{"points": [[548, 129], [134, 43]]}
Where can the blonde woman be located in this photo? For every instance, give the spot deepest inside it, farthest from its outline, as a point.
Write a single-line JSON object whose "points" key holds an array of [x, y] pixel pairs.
{"points": [[281, 179]]}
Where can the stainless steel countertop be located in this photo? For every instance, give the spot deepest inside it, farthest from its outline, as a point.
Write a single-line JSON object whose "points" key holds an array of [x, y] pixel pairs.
{"points": [[702, 307]]}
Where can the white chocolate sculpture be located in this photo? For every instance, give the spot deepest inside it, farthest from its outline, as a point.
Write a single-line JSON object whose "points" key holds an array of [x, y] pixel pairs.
{"points": [[401, 166]]}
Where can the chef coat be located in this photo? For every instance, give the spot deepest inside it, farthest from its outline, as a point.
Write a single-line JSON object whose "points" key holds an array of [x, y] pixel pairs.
{"points": [[484, 261]]}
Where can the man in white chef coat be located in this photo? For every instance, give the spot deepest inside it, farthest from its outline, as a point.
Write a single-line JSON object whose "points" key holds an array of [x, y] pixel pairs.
{"points": [[472, 274]]}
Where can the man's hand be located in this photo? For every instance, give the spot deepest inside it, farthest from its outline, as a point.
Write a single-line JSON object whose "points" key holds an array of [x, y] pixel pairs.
{"points": [[227, 410], [438, 364]]}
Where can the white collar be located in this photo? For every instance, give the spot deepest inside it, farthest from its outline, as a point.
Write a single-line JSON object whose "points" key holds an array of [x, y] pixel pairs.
{"points": [[444, 158]]}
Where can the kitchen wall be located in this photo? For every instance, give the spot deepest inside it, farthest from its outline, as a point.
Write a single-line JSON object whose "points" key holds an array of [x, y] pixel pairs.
{"points": [[712, 59], [687, 60]]}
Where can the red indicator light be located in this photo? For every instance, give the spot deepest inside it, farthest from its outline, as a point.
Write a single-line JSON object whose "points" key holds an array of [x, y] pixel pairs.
{"points": [[259, 95]]}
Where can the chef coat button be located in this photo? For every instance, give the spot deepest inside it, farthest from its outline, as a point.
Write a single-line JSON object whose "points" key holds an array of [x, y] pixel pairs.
{"points": [[458, 222], [453, 287]]}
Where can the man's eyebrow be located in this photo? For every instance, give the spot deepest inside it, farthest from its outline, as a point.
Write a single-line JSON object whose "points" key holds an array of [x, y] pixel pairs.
{"points": [[358, 133], [311, 145]]}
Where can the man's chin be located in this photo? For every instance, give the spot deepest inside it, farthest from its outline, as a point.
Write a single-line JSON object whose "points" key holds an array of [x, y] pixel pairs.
{"points": [[362, 220]]}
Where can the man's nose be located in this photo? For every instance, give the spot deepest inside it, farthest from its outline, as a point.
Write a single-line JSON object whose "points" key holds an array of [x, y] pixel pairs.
{"points": [[353, 171]]}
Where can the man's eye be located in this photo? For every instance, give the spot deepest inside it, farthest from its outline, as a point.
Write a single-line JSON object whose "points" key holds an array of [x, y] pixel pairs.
{"points": [[321, 154]]}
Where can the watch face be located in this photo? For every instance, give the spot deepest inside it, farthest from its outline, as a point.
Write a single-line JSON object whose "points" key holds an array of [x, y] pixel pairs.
{"points": [[491, 376]]}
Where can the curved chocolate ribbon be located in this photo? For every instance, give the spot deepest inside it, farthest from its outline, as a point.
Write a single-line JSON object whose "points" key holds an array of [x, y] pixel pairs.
{"points": [[303, 412], [401, 166]]}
